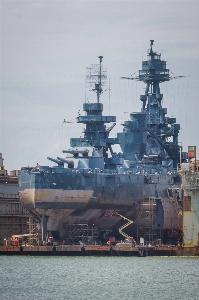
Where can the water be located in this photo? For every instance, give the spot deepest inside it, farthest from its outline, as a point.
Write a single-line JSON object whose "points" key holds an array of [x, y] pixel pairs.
{"points": [[85, 278]]}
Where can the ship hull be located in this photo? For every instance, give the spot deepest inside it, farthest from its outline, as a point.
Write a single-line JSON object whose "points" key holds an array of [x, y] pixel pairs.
{"points": [[62, 197]]}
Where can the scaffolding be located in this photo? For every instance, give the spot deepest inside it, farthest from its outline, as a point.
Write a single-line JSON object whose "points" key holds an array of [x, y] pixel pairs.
{"points": [[147, 213], [79, 232], [33, 236]]}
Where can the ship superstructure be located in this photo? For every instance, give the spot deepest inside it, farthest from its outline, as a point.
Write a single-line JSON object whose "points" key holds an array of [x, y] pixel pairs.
{"points": [[96, 134], [149, 135], [140, 182]]}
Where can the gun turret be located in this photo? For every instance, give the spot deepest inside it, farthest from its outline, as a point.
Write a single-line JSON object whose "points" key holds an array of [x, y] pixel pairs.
{"points": [[76, 152], [60, 163], [69, 162]]}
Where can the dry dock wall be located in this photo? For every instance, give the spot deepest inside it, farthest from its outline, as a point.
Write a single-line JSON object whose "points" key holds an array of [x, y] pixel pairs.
{"points": [[13, 216], [99, 250]]}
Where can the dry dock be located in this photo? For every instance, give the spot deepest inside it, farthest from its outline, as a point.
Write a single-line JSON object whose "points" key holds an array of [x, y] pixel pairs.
{"points": [[99, 250]]}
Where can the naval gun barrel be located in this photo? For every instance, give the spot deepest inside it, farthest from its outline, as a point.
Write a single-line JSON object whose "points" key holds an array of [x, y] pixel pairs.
{"points": [[110, 128], [69, 162], [60, 163], [160, 142], [77, 152]]}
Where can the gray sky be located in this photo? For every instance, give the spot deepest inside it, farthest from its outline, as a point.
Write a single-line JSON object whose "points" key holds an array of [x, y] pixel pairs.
{"points": [[46, 47]]}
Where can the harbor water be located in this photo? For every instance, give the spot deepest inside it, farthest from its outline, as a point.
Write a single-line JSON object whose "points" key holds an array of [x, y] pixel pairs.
{"points": [[86, 278]]}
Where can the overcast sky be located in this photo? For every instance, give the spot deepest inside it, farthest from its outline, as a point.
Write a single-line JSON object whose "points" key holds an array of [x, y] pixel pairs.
{"points": [[46, 47]]}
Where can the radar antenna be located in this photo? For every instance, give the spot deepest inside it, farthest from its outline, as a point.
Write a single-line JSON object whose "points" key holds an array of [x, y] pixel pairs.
{"points": [[96, 78], [151, 44]]}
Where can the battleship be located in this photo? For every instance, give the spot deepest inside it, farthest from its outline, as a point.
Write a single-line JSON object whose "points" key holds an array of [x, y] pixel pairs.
{"points": [[101, 187]]}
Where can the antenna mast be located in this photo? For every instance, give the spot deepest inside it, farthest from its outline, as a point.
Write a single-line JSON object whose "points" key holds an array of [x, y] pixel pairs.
{"points": [[97, 78]]}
